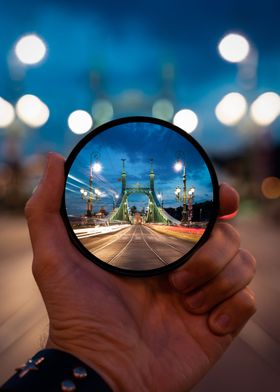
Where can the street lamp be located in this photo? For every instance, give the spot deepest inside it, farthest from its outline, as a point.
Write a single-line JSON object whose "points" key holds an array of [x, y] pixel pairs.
{"points": [[84, 195], [160, 197], [89, 197], [115, 198], [179, 165], [234, 48], [94, 168], [190, 204]]}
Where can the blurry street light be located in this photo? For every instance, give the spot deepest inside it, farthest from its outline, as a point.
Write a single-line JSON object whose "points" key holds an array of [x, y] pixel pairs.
{"points": [[265, 109], [231, 109], [186, 119], [270, 187], [30, 49], [7, 113], [80, 122], [163, 109], [32, 111], [102, 111], [234, 48]]}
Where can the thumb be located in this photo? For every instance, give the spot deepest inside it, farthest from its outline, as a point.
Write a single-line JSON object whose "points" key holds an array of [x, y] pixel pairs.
{"points": [[42, 210]]}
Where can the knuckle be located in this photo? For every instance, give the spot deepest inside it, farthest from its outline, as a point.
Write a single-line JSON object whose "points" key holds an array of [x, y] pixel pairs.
{"points": [[249, 301], [229, 232], [225, 285], [208, 265], [248, 260]]}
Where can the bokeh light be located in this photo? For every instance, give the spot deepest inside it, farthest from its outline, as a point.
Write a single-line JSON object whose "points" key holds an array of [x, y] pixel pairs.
{"points": [[234, 48], [231, 109], [270, 187], [102, 111], [32, 111], [265, 109], [186, 119], [163, 109], [7, 113], [30, 49], [80, 122]]}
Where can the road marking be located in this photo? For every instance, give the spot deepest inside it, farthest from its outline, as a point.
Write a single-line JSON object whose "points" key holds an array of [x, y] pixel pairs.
{"points": [[123, 249], [166, 243], [158, 256], [93, 250]]}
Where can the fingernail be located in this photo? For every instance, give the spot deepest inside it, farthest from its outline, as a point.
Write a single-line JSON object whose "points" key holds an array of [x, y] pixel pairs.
{"points": [[181, 280], [196, 300], [223, 321]]}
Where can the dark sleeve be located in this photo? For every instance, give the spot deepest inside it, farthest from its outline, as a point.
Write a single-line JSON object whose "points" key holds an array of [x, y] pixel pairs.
{"points": [[53, 370]]}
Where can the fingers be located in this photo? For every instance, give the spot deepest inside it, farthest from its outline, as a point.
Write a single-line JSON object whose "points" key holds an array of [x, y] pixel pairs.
{"points": [[209, 260], [47, 197], [230, 316], [43, 208], [229, 200], [235, 276]]}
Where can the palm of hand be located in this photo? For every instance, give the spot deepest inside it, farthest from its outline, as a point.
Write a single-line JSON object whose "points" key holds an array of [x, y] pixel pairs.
{"points": [[143, 328]]}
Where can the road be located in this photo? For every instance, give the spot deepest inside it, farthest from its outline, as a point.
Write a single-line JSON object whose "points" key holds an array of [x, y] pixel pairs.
{"points": [[137, 247]]}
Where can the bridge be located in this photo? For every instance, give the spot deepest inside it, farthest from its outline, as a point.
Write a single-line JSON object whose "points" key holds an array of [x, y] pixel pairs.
{"points": [[155, 212]]}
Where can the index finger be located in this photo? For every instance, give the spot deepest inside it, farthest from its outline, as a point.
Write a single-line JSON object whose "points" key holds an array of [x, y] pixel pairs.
{"points": [[229, 201]]}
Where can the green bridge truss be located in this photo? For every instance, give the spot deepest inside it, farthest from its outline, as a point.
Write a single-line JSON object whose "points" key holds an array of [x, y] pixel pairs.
{"points": [[155, 212]]}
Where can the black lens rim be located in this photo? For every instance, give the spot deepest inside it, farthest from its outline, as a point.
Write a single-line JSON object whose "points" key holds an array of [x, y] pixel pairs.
{"points": [[214, 215]]}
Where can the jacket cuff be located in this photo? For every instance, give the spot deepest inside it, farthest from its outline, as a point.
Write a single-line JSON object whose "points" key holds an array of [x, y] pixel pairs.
{"points": [[53, 370]]}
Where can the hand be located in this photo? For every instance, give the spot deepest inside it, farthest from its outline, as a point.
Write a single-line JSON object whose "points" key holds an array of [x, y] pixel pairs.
{"points": [[151, 334]]}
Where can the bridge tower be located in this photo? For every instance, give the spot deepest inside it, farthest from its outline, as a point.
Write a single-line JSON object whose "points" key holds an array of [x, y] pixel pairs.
{"points": [[155, 213]]}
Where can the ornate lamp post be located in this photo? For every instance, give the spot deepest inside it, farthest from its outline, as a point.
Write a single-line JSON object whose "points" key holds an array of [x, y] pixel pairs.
{"points": [[190, 204], [85, 196], [160, 197], [115, 199], [95, 167], [89, 197], [179, 165]]}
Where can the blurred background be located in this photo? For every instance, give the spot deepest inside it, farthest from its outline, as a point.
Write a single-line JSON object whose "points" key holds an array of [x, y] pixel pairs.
{"points": [[210, 67]]}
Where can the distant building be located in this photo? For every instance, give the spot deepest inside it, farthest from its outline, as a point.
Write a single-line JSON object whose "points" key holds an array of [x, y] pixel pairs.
{"points": [[138, 220]]}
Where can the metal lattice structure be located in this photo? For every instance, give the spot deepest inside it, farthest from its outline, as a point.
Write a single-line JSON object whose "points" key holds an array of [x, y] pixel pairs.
{"points": [[155, 212]]}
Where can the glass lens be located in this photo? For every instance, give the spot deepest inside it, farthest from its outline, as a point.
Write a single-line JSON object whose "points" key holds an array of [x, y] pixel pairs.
{"points": [[139, 196]]}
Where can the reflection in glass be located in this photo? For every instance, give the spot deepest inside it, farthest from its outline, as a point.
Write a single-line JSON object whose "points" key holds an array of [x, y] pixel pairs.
{"points": [[139, 196]]}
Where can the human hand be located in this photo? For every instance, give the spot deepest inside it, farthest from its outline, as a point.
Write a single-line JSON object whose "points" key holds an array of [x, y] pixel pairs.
{"points": [[140, 334]]}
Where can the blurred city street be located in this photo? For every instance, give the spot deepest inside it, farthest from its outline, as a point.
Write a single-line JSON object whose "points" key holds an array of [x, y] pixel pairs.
{"points": [[251, 364], [209, 68]]}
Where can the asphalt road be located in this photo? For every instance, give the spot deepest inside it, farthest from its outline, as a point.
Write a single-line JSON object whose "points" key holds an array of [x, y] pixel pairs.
{"points": [[137, 247]]}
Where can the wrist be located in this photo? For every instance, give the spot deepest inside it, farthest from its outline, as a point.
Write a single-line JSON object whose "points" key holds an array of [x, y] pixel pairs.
{"points": [[114, 365]]}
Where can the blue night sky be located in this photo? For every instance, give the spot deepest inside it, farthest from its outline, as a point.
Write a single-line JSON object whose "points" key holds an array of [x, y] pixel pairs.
{"points": [[137, 143], [127, 44]]}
